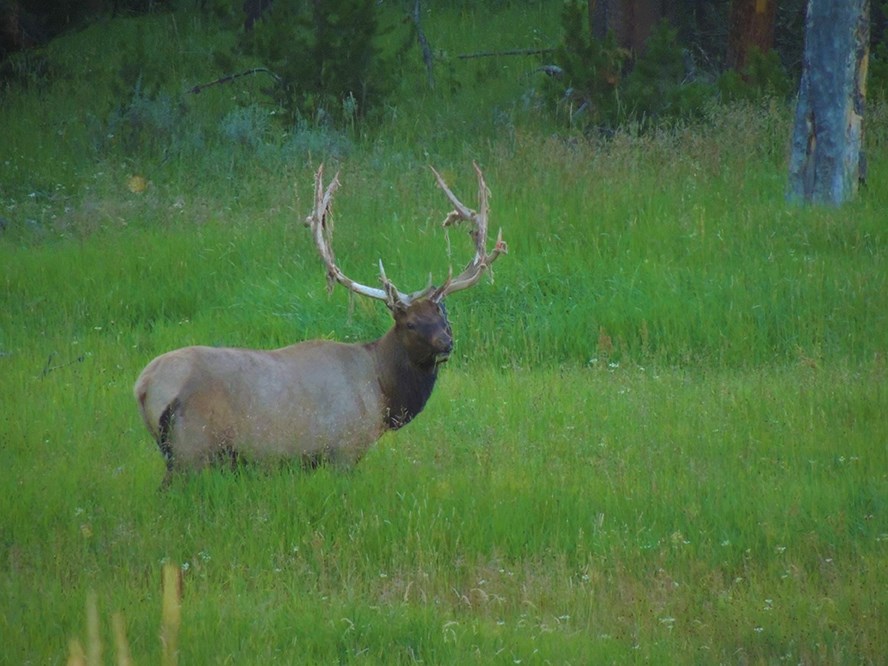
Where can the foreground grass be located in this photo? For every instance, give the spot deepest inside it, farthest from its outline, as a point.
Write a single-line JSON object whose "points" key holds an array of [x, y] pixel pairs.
{"points": [[544, 516]]}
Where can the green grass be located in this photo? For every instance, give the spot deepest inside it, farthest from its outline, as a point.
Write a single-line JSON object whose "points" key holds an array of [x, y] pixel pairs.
{"points": [[540, 514], [662, 437]]}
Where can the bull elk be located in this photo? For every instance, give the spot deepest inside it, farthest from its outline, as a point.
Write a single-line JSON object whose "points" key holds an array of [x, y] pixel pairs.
{"points": [[319, 400]]}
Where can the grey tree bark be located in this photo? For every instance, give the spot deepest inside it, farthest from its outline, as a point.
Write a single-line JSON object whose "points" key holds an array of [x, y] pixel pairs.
{"points": [[826, 162]]}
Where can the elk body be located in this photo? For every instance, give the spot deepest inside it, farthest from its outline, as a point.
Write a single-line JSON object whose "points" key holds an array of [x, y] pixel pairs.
{"points": [[314, 401]]}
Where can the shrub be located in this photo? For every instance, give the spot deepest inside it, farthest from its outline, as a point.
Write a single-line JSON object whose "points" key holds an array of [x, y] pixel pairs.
{"points": [[327, 57], [148, 123], [763, 76], [877, 85], [660, 85], [26, 69], [591, 71], [600, 87]]}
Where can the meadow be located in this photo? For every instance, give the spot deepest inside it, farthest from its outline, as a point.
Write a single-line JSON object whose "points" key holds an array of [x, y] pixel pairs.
{"points": [[662, 436]]}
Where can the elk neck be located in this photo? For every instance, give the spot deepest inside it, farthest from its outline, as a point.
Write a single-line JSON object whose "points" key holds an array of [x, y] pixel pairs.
{"points": [[405, 386]]}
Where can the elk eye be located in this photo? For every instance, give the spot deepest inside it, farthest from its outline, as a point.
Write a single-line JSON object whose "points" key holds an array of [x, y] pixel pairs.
{"points": [[411, 326]]}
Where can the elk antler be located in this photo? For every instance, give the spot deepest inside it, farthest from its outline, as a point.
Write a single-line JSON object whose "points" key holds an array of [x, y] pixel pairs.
{"points": [[321, 223], [462, 213]]}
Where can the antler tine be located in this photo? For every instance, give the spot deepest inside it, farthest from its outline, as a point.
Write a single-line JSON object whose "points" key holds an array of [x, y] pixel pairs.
{"points": [[393, 296], [482, 259], [321, 223]]}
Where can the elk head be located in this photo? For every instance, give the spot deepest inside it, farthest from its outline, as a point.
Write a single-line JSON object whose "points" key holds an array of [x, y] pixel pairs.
{"points": [[409, 354]]}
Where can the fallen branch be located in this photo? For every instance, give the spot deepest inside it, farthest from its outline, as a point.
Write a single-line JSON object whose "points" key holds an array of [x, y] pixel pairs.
{"points": [[511, 52], [231, 77]]}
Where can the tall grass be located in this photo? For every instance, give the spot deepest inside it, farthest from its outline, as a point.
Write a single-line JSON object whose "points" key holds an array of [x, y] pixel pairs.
{"points": [[662, 437], [714, 268]]}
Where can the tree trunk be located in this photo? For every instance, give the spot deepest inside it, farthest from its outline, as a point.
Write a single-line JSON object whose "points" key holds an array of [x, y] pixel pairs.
{"points": [[751, 26], [826, 160], [631, 21]]}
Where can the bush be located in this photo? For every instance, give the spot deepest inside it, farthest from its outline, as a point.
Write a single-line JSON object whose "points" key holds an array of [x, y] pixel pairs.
{"points": [[327, 57], [152, 123], [26, 69], [585, 91], [660, 86], [595, 90], [763, 76], [600, 86], [877, 85]]}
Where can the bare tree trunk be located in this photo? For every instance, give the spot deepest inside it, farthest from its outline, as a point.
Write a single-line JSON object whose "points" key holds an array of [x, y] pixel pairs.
{"points": [[826, 160], [751, 26]]}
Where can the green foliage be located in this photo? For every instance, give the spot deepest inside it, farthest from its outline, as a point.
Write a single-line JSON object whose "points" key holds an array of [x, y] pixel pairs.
{"points": [[658, 85], [140, 68], [160, 128], [591, 71], [598, 92], [877, 76], [877, 81], [25, 69], [327, 56], [763, 76], [151, 125], [602, 87]]}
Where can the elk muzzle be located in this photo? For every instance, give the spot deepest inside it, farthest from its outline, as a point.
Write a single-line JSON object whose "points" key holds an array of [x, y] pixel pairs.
{"points": [[443, 346]]}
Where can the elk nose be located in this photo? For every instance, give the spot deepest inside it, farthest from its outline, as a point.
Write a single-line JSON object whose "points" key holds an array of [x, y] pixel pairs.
{"points": [[445, 342], [443, 346]]}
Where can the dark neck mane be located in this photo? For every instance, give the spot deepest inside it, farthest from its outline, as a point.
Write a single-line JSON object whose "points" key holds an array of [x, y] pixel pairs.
{"points": [[405, 387]]}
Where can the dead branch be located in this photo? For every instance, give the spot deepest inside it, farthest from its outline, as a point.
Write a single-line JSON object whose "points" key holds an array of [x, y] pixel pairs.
{"points": [[511, 52], [231, 77], [424, 44]]}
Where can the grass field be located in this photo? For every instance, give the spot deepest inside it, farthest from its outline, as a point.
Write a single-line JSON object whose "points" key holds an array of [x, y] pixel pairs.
{"points": [[662, 437]]}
